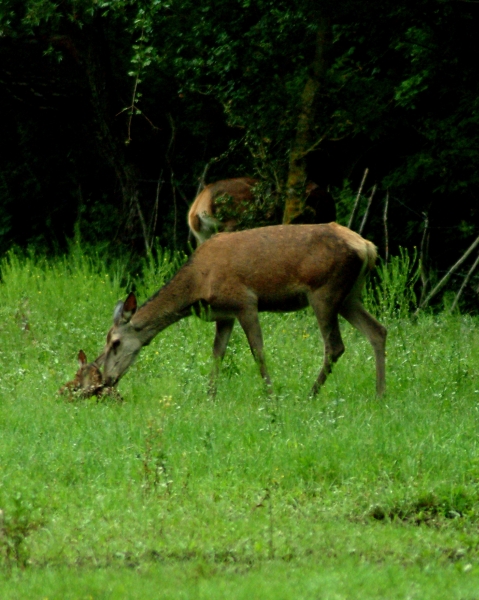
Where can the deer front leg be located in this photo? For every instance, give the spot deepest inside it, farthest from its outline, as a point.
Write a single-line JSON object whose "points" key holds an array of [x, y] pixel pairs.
{"points": [[222, 337], [333, 344], [249, 321]]}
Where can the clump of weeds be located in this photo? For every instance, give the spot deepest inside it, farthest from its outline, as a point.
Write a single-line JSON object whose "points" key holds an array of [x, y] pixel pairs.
{"points": [[19, 518], [154, 459]]}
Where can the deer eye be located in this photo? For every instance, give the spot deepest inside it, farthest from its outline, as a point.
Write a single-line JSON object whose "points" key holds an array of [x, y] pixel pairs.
{"points": [[115, 345]]}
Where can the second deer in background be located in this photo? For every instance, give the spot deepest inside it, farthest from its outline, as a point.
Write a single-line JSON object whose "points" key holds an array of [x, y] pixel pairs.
{"points": [[204, 220]]}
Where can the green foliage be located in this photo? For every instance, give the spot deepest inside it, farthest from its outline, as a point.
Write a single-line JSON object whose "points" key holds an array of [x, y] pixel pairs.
{"points": [[161, 90], [19, 518], [391, 293], [266, 209]]}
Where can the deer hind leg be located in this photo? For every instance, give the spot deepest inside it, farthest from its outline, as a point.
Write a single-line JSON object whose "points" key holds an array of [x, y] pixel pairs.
{"points": [[327, 317], [224, 328], [354, 312], [249, 321]]}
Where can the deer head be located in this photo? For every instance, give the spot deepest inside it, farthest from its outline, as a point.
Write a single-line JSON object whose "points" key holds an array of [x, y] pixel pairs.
{"points": [[123, 342]]}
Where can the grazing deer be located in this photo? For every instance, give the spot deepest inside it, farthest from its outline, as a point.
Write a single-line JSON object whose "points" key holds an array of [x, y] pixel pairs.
{"points": [[202, 216], [237, 275], [88, 380]]}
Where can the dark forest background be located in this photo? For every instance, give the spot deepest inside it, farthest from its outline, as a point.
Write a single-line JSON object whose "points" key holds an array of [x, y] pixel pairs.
{"points": [[114, 112]]}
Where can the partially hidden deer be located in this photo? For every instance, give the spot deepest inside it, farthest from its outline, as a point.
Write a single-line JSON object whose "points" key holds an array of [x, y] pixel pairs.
{"points": [[235, 276], [88, 380], [203, 219]]}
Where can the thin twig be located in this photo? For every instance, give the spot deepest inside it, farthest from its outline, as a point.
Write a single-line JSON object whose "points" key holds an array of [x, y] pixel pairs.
{"points": [[212, 161], [143, 224], [175, 223], [182, 195], [356, 204], [366, 212], [133, 100], [423, 257], [137, 110], [172, 138], [135, 89], [202, 179], [154, 214], [464, 283], [386, 233], [172, 175], [447, 276], [316, 143]]}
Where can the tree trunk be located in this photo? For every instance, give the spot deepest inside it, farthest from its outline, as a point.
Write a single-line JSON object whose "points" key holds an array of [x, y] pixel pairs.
{"points": [[303, 142]]}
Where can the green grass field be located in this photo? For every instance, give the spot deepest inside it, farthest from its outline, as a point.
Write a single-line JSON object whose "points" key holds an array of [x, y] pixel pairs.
{"points": [[172, 495]]}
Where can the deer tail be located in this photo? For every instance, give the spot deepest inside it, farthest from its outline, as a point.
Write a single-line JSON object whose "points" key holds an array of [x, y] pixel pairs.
{"points": [[371, 255]]}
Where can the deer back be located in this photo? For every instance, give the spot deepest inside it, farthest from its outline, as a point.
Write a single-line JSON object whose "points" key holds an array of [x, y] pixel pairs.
{"points": [[277, 260]]}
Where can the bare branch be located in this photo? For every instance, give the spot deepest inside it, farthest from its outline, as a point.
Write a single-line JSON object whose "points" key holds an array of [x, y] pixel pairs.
{"points": [[172, 178], [143, 223], [132, 107], [366, 212], [422, 257], [356, 204], [202, 178], [464, 283], [212, 161], [386, 233], [447, 276], [154, 214], [316, 143]]}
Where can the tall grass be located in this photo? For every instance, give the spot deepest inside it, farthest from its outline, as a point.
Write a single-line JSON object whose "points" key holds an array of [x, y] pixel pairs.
{"points": [[390, 293], [175, 495]]}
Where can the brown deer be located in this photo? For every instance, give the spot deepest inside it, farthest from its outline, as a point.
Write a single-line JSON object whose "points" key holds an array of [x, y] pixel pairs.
{"points": [[202, 216], [237, 275], [88, 380]]}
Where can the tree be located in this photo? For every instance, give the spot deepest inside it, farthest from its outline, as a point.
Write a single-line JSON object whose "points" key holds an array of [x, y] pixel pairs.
{"points": [[147, 95]]}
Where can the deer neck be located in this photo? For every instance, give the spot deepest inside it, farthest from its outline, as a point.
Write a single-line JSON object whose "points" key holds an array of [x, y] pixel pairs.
{"points": [[170, 304]]}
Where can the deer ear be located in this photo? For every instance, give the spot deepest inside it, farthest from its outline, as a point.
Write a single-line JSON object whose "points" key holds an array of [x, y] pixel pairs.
{"points": [[125, 310], [82, 358], [118, 312], [129, 309]]}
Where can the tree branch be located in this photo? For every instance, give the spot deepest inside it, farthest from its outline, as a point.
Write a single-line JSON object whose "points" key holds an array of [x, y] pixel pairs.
{"points": [[355, 207], [447, 276], [386, 233], [366, 212], [464, 283]]}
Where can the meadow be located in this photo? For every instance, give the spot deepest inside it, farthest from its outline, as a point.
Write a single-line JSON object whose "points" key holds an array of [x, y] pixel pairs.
{"points": [[170, 494]]}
